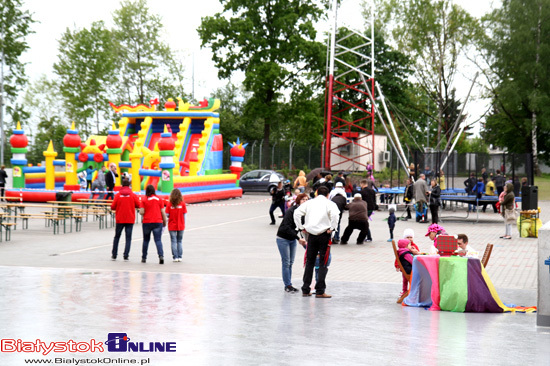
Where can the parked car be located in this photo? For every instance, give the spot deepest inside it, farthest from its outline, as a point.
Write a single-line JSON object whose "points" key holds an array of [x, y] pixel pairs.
{"points": [[260, 180]]}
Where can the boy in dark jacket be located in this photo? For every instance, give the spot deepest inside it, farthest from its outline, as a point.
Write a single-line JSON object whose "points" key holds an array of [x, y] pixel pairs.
{"points": [[391, 223]]}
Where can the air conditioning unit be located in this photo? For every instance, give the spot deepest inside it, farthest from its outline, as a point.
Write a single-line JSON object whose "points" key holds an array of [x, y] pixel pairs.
{"points": [[384, 156]]}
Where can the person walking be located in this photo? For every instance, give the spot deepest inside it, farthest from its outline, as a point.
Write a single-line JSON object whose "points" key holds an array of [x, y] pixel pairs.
{"points": [[369, 196], [358, 219], [176, 211], [277, 201], [435, 195], [154, 219], [99, 184], [321, 219], [420, 194], [110, 179], [125, 204], [3, 178], [89, 175], [286, 242], [508, 210]]}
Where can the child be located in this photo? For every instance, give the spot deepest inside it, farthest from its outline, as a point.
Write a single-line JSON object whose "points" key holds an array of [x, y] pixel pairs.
{"points": [[406, 250], [408, 234], [391, 223], [176, 211]]}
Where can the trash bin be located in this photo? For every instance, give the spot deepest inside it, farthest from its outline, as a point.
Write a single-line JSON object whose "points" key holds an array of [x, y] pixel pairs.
{"points": [[529, 198], [64, 196]]}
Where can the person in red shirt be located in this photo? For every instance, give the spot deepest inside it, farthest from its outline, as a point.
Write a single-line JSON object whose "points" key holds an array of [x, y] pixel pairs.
{"points": [[125, 204], [176, 211], [154, 219]]}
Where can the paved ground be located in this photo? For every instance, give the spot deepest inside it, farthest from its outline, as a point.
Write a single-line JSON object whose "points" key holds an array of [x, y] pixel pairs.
{"points": [[224, 303]]}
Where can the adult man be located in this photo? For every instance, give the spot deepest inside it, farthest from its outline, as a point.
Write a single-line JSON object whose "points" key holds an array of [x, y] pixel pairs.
{"points": [[358, 219], [420, 194], [470, 184], [110, 179], [338, 196], [499, 182], [99, 184], [125, 204], [484, 175], [321, 219], [277, 200], [340, 178], [464, 249], [3, 177], [369, 196]]}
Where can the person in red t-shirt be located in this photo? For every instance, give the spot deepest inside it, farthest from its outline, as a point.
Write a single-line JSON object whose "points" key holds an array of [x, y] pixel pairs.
{"points": [[154, 219], [125, 204], [176, 211]]}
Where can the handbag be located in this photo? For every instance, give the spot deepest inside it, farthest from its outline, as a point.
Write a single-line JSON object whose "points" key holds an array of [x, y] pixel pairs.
{"points": [[510, 214]]}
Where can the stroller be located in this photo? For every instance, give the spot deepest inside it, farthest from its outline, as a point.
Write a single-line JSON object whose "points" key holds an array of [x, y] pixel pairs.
{"points": [[421, 209]]}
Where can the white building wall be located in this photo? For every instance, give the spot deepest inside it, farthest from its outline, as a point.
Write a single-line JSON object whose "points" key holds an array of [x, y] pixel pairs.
{"points": [[358, 153]]}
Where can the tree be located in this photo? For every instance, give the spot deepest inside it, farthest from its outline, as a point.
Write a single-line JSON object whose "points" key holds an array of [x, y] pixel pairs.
{"points": [[148, 67], [518, 53], [273, 43], [86, 69], [232, 123], [434, 33]]}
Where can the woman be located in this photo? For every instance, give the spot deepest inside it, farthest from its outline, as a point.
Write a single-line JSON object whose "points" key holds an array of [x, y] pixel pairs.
{"points": [[508, 210], [435, 195], [154, 219], [408, 196], [300, 182], [442, 183], [176, 211], [286, 242], [348, 187]]}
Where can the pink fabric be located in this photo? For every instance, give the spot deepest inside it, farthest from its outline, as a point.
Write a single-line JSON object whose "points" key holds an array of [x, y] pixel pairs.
{"points": [[431, 263]]}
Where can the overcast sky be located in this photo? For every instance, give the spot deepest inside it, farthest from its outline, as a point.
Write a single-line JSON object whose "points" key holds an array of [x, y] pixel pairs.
{"points": [[181, 19]]}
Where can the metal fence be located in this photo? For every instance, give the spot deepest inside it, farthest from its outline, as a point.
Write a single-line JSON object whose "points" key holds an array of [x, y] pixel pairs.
{"points": [[282, 155]]}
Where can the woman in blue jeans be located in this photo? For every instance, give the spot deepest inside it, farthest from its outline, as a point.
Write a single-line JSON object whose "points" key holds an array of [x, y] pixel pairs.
{"points": [[154, 219], [286, 242]]}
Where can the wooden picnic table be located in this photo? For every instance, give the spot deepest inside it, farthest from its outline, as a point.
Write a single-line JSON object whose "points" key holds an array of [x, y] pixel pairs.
{"points": [[105, 208]]}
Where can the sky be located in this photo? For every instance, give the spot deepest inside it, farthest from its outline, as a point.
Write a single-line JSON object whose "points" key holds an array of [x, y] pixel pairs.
{"points": [[181, 19]]}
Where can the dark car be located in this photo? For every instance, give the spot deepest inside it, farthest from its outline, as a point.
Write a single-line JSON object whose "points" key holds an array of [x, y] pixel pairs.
{"points": [[260, 180]]}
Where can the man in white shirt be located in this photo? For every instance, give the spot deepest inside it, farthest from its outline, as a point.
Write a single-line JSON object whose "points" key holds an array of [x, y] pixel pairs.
{"points": [[321, 219], [464, 249]]}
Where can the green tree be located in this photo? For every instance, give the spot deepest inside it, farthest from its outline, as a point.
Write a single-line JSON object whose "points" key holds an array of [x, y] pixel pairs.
{"points": [[434, 33], [148, 67], [273, 43], [86, 69], [232, 123], [518, 50]]}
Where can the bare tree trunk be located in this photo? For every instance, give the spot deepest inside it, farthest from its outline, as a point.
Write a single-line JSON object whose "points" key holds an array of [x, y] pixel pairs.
{"points": [[534, 147]]}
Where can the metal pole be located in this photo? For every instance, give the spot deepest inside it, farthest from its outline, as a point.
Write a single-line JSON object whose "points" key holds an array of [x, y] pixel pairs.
{"points": [[328, 141], [2, 100], [261, 148]]}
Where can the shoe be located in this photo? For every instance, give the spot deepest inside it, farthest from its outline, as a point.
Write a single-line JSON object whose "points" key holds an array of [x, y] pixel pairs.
{"points": [[507, 237], [113, 258], [343, 242], [368, 240], [390, 240], [143, 260], [179, 259], [272, 223], [335, 241], [175, 260], [161, 260], [126, 259], [323, 296], [404, 219], [306, 295], [281, 216], [291, 289]]}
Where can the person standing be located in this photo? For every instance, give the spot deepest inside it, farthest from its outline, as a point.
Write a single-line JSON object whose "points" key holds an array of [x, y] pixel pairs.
{"points": [[391, 223], [420, 194], [286, 242], [508, 210], [110, 179], [99, 184], [340, 178], [277, 201], [358, 219], [300, 182], [435, 196], [89, 175], [499, 182], [338, 196], [369, 196], [176, 211], [470, 185], [154, 219], [484, 175], [408, 196], [3, 178], [321, 219], [125, 204]]}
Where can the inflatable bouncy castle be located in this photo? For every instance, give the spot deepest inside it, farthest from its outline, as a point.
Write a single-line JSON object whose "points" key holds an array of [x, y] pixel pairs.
{"points": [[179, 147]]}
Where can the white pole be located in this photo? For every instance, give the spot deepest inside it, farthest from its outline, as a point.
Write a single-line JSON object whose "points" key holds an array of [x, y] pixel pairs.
{"points": [[333, 37]]}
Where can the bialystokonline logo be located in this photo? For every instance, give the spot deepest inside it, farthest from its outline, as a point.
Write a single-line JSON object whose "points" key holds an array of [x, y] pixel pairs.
{"points": [[116, 342]]}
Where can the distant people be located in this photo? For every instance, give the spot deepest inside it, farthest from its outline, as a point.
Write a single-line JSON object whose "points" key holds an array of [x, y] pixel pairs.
{"points": [[328, 182], [340, 178], [470, 184], [348, 187], [465, 250], [154, 219], [176, 211], [98, 186], [286, 242], [484, 175], [82, 179], [338, 196], [317, 177], [110, 179], [300, 182], [428, 172], [369, 196], [479, 188], [408, 196], [391, 222], [369, 168], [490, 191], [420, 195], [524, 184], [412, 171], [321, 219], [125, 204], [441, 180], [508, 210], [499, 182], [435, 201], [89, 177], [358, 219], [3, 178], [277, 201]]}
